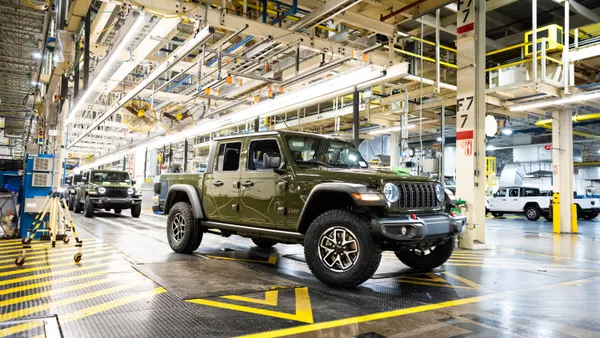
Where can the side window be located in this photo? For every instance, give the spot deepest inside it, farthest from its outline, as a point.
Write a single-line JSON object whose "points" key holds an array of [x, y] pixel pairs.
{"points": [[84, 177], [258, 150], [531, 192], [513, 193], [501, 193], [228, 157]]}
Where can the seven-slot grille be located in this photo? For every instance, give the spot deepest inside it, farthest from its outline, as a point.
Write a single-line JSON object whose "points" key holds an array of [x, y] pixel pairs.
{"points": [[116, 192], [417, 196]]}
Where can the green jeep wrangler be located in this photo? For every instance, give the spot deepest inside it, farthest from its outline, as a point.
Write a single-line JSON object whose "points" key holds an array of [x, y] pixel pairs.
{"points": [[290, 187], [106, 189]]}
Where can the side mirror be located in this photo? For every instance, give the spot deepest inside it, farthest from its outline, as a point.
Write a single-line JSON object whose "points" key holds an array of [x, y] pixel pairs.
{"points": [[495, 194], [271, 160]]}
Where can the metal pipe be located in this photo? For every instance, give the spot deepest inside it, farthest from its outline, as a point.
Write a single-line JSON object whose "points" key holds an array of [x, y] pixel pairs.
{"points": [[355, 115], [566, 68], [398, 11], [171, 79], [534, 39], [254, 77], [547, 124], [86, 51], [437, 51], [185, 154], [200, 38]]}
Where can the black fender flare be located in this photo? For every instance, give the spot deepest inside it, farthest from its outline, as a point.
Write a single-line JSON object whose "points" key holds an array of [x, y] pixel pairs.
{"points": [[341, 187], [192, 195]]}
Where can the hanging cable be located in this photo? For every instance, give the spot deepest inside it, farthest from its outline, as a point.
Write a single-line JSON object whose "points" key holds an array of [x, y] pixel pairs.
{"points": [[43, 7]]}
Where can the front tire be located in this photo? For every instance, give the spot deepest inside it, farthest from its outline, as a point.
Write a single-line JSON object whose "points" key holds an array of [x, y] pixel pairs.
{"points": [[136, 210], [88, 208], [264, 243], [429, 259], [533, 213], [183, 232], [340, 250], [77, 206]]}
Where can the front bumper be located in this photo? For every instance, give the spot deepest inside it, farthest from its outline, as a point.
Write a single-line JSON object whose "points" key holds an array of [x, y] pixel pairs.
{"points": [[405, 228], [115, 202]]}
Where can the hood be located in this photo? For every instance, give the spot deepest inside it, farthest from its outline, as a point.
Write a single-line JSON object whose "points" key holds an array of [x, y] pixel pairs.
{"points": [[111, 184], [363, 176]]}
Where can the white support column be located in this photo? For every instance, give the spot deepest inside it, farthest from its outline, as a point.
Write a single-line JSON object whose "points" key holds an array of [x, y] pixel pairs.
{"points": [[562, 163], [394, 153], [470, 122]]}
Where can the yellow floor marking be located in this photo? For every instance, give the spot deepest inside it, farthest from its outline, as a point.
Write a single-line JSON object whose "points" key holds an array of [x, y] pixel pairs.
{"points": [[431, 277], [272, 259], [80, 267], [43, 307], [92, 310], [63, 252], [21, 270], [465, 281], [270, 298], [58, 291], [51, 282], [9, 331], [43, 248], [68, 257], [303, 307], [18, 243], [403, 312]]}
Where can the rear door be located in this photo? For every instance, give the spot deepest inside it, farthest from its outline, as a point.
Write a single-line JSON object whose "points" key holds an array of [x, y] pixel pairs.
{"points": [[262, 190], [221, 186]]}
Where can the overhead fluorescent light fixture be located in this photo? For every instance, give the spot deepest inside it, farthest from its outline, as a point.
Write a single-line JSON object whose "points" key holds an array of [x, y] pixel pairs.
{"points": [[507, 131], [490, 147], [36, 55], [112, 58], [452, 7], [566, 100], [402, 34], [390, 130]]}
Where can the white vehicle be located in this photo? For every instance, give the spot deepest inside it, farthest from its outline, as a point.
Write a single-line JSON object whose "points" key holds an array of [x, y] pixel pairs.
{"points": [[520, 200], [587, 208]]}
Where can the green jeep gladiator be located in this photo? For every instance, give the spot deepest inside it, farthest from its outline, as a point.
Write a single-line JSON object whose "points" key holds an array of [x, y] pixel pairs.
{"points": [[290, 187], [106, 189]]}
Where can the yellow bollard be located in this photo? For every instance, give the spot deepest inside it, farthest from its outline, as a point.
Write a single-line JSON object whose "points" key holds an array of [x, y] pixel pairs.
{"points": [[556, 213], [574, 225]]}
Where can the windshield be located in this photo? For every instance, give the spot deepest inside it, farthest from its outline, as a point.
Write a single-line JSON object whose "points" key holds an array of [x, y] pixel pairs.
{"points": [[110, 176], [325, 151], [449, 182], [76, 178]]}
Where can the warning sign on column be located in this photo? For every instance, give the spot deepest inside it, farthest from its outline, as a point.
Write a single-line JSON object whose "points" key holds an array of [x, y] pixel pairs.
{"points": [[467, 146]]}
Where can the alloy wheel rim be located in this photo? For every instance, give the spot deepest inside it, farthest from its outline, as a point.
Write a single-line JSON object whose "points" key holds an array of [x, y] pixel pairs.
{"points": [[531, 213], [338, 249], [178, 226]]}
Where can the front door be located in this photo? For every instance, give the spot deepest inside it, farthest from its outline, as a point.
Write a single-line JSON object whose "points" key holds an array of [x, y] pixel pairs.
{"points": [[222, 183], [262, 190], [498, 202]]}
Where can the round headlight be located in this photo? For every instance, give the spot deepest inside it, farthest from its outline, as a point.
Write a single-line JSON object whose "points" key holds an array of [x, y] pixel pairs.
{"points": [[439, 191], [102, 190], [130, 191], [391, 192]]}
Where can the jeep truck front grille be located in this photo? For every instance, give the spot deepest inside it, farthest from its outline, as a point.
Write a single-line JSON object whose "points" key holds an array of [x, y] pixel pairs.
{"points": [[116, 192], [417, 196]]}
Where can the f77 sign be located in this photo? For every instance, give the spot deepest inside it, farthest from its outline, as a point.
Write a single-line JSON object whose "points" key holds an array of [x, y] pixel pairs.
{"points": [[465, 16]]}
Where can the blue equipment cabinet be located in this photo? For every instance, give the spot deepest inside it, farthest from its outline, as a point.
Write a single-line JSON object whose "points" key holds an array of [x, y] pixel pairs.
{"points": [[37, 186]]}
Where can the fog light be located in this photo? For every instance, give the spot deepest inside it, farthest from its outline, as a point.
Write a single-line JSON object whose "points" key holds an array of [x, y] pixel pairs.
{"points": [[403, 231]]}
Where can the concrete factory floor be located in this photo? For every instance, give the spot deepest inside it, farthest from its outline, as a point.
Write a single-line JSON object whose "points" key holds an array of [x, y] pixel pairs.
{"points": [[527, 283]]}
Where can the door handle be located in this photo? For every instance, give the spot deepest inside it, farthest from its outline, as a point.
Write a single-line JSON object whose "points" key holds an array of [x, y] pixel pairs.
{"points": [[217, 183], [515, 200], [504, 199], [248, 184]]}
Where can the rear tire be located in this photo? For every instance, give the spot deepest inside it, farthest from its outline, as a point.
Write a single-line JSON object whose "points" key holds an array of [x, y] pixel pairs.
{"points": [[183, 232], [70, 202], [533, 213], [76, 206], [264, 243], [425, 261], [579, 212], [88, 208], [136, 210], [118, 211], [340, 250], [497, 214]]}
